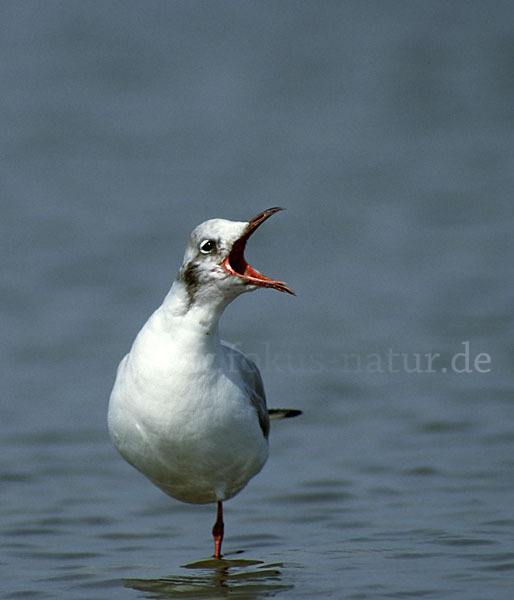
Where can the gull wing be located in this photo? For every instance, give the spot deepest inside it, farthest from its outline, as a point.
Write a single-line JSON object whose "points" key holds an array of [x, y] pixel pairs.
{"points": [[243, 368]]}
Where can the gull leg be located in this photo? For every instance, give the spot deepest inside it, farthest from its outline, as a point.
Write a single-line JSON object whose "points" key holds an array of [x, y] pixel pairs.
{"points": [[217, 531]]}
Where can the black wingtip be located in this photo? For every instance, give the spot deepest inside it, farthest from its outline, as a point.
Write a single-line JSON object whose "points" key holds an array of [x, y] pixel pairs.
{"points": [[283, 413]]}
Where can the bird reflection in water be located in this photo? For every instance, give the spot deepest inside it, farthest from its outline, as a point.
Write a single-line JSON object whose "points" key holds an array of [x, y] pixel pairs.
{"points": [[217, 578]]}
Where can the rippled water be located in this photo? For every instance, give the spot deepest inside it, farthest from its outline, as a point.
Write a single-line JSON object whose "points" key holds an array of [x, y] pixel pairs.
{"points": [[386, 130]]}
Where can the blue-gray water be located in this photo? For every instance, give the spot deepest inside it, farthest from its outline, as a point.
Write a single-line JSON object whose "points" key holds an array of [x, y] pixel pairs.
{"points": [[387, 131]]}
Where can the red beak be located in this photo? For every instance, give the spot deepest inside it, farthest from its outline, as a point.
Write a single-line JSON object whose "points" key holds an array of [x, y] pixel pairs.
{"points": [[236, 264]]}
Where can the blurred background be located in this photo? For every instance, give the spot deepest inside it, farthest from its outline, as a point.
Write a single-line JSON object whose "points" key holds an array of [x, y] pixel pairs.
{"points": [[386, 129]]}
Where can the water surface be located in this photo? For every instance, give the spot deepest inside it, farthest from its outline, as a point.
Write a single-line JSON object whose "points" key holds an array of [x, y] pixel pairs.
{"points": [[386, 130]]}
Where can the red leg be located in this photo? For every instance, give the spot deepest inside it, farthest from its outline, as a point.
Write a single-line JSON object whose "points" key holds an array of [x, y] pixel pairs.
{"points": [[217, 531]]}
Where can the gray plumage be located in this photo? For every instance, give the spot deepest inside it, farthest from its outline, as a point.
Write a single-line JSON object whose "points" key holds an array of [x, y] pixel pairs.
{"points": [[240, 364]]}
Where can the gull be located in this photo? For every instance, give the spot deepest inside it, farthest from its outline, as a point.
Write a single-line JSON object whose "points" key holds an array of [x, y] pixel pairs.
{"points": [[187, 409]]}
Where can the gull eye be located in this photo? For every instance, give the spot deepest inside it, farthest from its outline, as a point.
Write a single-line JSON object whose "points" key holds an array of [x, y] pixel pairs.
{"points": [[207, 246]]}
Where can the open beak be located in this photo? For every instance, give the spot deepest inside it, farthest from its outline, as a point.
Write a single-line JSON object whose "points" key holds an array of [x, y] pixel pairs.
{"points": [[236, 264]]}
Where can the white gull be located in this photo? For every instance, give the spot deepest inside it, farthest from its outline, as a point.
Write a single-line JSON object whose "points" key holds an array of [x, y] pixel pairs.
{"points": [[187, 409]]}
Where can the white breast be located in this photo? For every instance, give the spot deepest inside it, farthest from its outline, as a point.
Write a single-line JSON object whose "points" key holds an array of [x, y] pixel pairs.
{"points": [[176, 416]]}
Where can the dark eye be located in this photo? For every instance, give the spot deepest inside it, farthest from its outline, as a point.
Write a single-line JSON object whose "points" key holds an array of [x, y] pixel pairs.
{"points": [[207, 246]]}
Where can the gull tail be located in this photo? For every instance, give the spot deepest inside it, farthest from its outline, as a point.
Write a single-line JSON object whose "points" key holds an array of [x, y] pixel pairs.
{"points": [[283, 413]]}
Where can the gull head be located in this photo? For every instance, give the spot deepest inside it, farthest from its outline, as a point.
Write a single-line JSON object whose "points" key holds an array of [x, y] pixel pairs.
{"points": [[215, 267]]}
